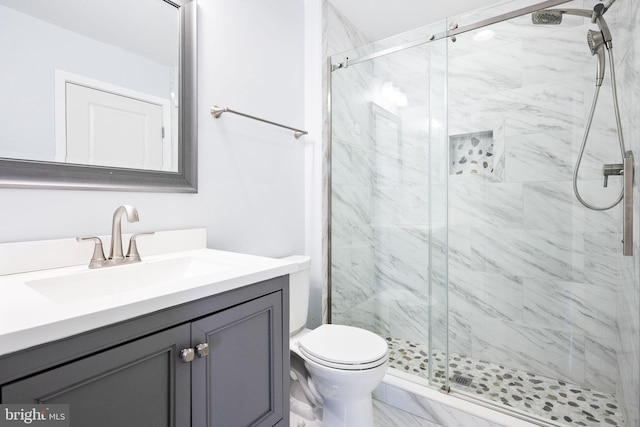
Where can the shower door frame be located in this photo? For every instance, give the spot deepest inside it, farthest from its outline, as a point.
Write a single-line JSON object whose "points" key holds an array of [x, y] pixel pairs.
{"points": [[451, 32]]}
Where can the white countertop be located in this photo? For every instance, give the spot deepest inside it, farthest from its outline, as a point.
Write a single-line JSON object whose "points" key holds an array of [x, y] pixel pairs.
{"points": [[29, 317]]}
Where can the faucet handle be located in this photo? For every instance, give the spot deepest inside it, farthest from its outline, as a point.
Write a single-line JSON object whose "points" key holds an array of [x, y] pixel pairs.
{"points": [[97, 259], [611, 169], [132, 253]]}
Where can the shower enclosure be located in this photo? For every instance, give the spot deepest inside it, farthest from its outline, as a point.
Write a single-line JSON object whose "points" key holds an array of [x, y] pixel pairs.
{"points": [[454, 230]]}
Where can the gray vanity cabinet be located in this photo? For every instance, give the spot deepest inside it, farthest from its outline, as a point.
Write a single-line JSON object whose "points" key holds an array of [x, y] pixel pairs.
{"points": [[231, 374], [240, 382], [130, 385]]}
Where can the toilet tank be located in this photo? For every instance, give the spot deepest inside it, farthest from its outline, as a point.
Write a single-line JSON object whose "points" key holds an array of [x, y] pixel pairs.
{"points": [[299, 285]]}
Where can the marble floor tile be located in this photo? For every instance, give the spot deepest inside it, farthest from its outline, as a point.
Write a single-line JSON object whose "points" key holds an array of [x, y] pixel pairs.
{"points": [[383, 416], [387, 416]]}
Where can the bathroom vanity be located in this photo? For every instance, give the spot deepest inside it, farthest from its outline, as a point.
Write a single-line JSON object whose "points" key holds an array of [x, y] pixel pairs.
{"points": [[216, 355]]}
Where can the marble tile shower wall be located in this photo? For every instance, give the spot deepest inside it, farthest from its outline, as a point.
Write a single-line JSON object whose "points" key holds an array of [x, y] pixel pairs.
{"points": [[532, 273], [401, 199], [352, 255], [379, 197]]}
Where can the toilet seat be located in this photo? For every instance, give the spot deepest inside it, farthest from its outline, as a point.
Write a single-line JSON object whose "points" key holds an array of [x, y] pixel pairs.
{"points": [[344, 347]]}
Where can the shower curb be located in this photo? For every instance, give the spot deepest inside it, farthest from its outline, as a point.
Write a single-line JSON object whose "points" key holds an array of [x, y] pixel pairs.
{"points": [[441, 408]]}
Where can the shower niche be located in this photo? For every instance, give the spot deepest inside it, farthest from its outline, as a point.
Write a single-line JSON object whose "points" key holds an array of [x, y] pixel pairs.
{"points": [[471, 153]]}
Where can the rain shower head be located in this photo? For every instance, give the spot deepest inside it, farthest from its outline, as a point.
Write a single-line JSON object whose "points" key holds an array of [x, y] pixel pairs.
{"points": [[596, 15], [554, 16], [546, 17]]}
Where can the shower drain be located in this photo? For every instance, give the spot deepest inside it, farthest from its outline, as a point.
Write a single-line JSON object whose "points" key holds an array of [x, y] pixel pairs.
{"points": [[460, 380]]}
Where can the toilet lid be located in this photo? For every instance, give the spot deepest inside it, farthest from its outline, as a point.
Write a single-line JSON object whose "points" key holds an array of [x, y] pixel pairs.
{"points": [[344, 345]]}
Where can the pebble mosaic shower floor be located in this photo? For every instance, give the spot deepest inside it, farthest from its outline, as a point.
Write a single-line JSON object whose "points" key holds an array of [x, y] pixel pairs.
{"points": [[558, 401]]}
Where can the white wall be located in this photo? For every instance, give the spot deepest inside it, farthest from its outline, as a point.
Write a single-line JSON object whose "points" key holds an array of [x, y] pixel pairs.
{"points": [[251, 175], [251, 59]]}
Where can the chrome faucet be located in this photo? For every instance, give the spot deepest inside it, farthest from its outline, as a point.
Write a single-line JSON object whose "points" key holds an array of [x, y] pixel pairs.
{"points": [[116, 256], [115, 253]]}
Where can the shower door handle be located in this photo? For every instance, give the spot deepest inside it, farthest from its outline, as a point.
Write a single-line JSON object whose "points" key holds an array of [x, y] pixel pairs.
{"points": [[627, 205]]}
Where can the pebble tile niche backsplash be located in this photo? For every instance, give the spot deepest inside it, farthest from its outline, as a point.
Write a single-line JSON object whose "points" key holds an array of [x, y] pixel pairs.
{"points": [[471, 153]]}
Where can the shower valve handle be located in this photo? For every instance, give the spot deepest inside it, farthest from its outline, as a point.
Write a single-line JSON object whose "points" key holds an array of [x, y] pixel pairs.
{"points": [[611, 169]]}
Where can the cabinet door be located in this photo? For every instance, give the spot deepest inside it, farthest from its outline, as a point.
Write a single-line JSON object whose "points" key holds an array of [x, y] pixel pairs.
{"points": [[139, 384], [240, 382]]}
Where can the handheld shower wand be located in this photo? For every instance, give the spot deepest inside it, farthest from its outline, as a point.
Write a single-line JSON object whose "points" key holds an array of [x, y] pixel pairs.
{"points": [[596, 42]]}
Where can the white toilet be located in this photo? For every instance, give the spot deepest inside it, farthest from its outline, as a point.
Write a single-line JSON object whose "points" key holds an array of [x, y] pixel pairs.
{"points": [[343, 364]]}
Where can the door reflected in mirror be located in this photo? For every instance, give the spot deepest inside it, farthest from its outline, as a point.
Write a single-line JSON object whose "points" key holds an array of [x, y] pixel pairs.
{"points": [[90, 82], [70, 67]]}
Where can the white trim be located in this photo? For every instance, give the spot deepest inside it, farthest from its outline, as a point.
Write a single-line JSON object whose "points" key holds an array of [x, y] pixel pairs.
{"points": [[60, 129]]}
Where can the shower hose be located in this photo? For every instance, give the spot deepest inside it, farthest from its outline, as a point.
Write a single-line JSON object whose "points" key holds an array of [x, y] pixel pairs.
{"points": [[586, 137]]}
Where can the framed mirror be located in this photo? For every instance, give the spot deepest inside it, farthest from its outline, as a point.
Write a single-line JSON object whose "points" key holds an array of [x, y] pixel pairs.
{"points": [[98, 94]]}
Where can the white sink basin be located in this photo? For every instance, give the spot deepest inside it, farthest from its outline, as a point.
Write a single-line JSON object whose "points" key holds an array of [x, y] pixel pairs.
{"points": [[63, 297], [120, 279]]}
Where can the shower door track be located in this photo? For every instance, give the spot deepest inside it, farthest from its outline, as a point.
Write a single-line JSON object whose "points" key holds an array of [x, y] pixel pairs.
{"points": [[512, 412], [454, 30]]}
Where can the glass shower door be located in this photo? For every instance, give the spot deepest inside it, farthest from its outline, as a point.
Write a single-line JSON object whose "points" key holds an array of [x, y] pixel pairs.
{"points": [[532, 280], [388, 202], [455, 233]]}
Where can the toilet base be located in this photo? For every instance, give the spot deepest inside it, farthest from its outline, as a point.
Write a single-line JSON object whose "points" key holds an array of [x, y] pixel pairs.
{"points": [[340, 413], [337, 414], [296, 420]]}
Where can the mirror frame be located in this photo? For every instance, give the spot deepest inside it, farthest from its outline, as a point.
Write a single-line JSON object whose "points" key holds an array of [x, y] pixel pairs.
{"points": [[15, 173]]}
